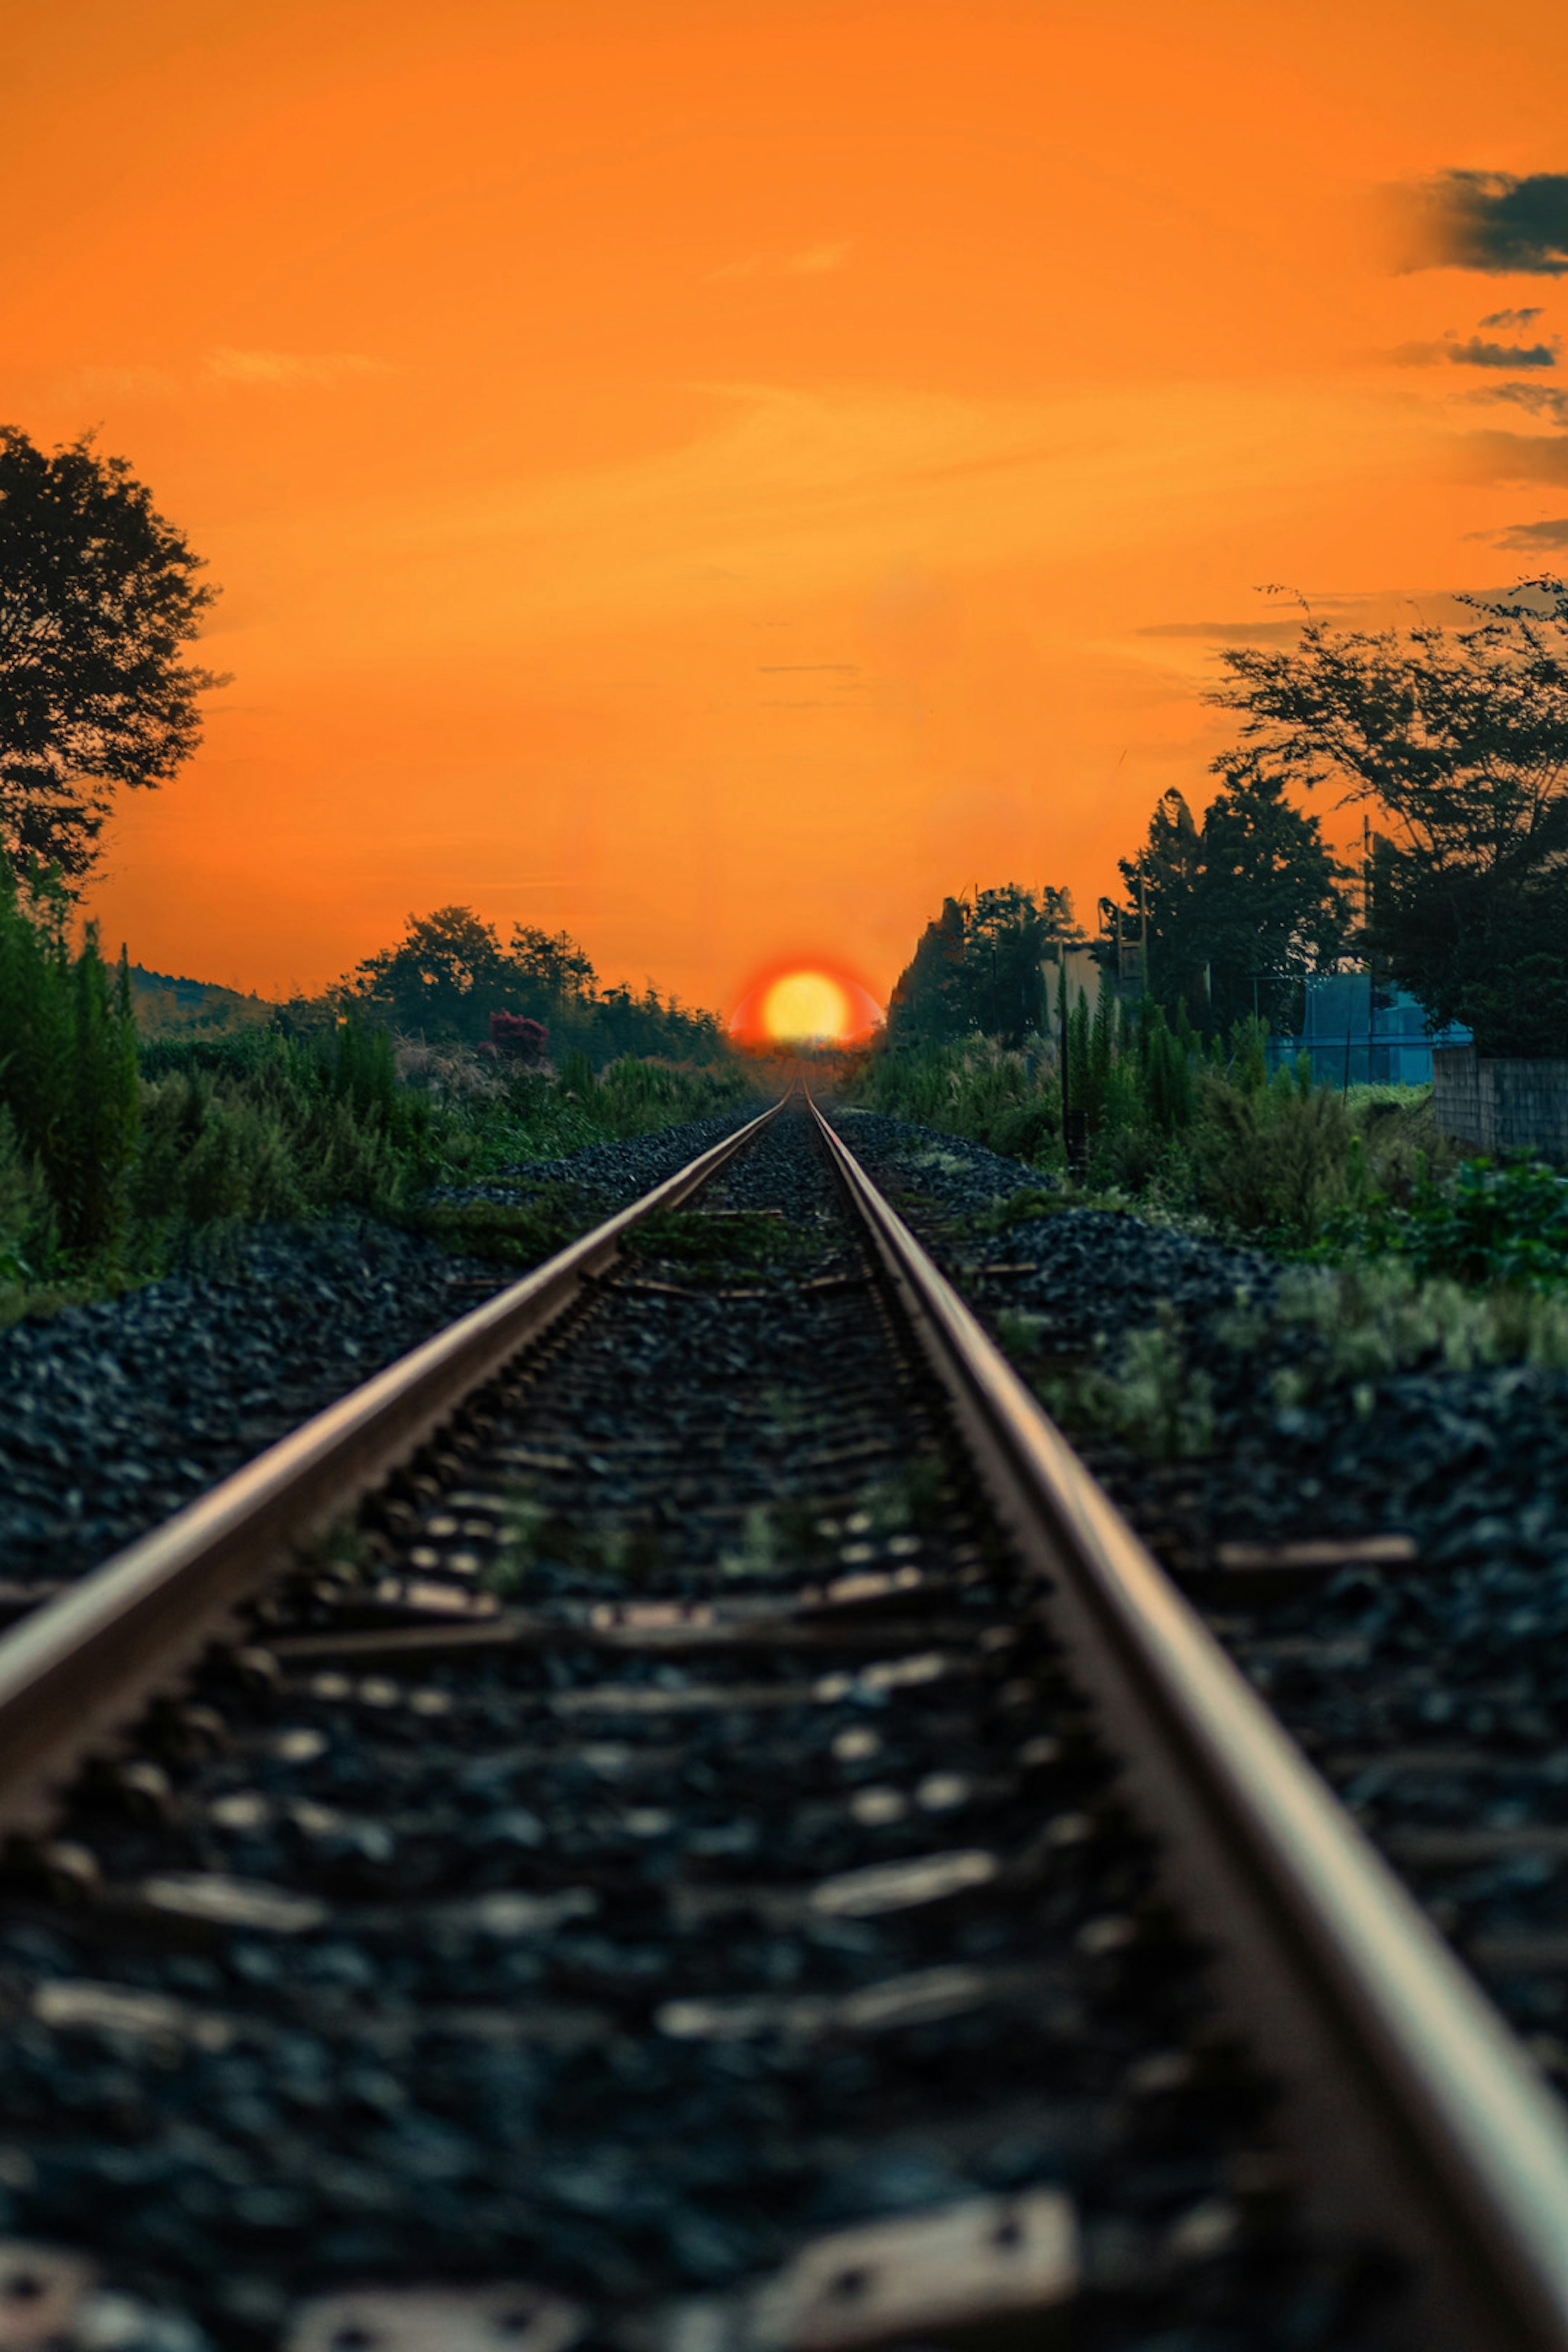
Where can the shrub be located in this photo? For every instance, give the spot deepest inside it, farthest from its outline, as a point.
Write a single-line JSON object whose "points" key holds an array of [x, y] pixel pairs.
{"points": [[68, 1063], [1276, 1161], [1503, 1223], [517, 1039]]}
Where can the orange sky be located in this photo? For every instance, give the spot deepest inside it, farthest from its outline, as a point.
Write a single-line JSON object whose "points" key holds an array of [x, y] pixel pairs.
{"points": [[706, 474]]}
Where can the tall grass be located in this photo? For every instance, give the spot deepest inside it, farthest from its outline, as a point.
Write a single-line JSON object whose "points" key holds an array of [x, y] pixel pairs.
{"points": [[108, 1157], [1157, 1117], [67, 1076]]}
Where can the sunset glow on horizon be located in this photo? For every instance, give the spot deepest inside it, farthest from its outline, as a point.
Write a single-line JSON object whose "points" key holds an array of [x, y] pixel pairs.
{"points": [[804, 1005], [708, 476]]}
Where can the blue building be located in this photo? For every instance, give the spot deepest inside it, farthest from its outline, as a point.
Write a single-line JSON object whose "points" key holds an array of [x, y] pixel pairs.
{"points": [[1360, 1037]]}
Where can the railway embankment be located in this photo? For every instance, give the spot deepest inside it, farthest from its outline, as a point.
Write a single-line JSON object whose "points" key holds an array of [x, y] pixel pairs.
{"points": [[115, 1412], [1360, 1477]]}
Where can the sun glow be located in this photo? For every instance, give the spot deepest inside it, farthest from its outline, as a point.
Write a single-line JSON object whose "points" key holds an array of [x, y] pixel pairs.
{"points": [[806, 1006], [802, 1004]]}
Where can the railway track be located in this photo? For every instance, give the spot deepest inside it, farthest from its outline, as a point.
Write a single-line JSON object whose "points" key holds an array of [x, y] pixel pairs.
{"points": [[678, 1818]]}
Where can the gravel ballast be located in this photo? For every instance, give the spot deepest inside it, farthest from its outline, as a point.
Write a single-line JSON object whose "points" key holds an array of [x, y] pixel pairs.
{"points": [[1430, 1690], [116, 1414], [767, 1880]]}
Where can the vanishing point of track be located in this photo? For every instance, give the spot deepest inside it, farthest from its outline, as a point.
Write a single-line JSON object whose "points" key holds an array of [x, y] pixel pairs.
{"points": [[844, 1787]]}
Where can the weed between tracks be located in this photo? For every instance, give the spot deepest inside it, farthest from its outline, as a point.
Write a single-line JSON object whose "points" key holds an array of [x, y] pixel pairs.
{"points": [[517, 1234], [542, 1543], [706, 1244]]}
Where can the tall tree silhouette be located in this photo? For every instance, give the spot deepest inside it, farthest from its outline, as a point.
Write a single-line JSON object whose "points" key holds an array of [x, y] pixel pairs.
{"points": [[1459, 740], [99, 595], [1239, 909]]}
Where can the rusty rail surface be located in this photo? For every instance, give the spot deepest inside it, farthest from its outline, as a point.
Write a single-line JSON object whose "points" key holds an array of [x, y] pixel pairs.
{"points": [[1435, 2125], [80, 1668]]}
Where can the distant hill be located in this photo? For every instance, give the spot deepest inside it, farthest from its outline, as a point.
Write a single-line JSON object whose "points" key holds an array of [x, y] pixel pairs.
{"points": [[168, 1005]]}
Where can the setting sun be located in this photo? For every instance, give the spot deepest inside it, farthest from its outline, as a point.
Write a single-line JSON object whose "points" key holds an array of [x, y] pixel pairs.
{"points": [[805, 1005], [800, 1003]]}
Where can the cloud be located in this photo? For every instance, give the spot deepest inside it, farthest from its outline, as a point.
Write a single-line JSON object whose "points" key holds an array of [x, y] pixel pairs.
{"points": [[1540, 399], [1554, 533], [816, 260], [1230, 633], [287, 368], [1383, 609], [1515, 321], [1485, 220], [1514, 457], [781, 492], [1477, 353], [130, 382], [812, 261]]}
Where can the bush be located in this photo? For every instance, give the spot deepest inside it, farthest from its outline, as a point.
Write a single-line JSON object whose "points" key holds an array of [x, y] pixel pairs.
{"points": [[1191, 1128], [1276, 1161], [68, 1067], [1503, 1223], [1007, 1099]]}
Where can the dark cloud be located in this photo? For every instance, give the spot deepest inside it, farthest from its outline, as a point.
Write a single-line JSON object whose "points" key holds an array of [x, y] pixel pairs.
{"points": [[1488, 220], [1515, 321], [1237, 632], [1540, 399], [1536, 534], [1477, 353]]}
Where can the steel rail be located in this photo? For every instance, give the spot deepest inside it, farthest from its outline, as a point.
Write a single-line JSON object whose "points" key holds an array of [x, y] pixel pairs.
{"points": [[80, 1668], [1421, 2118]]}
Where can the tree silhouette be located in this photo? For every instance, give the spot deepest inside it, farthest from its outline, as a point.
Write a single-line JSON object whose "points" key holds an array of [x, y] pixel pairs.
{"points": [[98, 595], [1461, 742], [1240, 907], [978, 967]]}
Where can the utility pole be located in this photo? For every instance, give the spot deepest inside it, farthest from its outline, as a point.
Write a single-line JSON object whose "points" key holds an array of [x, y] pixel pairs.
{"points": [[1370, 960]]}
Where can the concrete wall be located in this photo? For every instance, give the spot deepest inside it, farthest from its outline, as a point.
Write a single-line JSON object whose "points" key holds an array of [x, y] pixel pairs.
{"points": [[1491, 1106]]}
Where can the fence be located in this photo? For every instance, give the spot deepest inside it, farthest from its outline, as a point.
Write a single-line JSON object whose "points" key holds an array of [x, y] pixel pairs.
{"points": [[1357, 1034], [1497, 1106]]}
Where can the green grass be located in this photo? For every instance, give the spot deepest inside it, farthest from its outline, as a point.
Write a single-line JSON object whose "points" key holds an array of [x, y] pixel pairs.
{"points": [[117, 1157], [1276, 1159]]}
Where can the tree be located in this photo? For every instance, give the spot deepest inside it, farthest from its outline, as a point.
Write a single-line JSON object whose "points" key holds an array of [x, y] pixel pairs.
{"points": [[449, 977], [1239, 909], [98, 595], [977, 968], [1460, 741], [556, 966], [445, 977]]}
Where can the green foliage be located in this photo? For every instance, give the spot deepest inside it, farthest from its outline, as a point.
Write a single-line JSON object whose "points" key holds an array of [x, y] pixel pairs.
{"points": [[108, 1169], [99, 597], [1370, 1318], [1167, 1076], [577, 1076], [981, 1091], [1181, 1126], [68, 1068], [168, 1006], [978, 967], [1236, 910], [1488, 1224], [1144, 1389], [1460, 742], [1271, 1160], [449, 972], [272, 1128]]}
